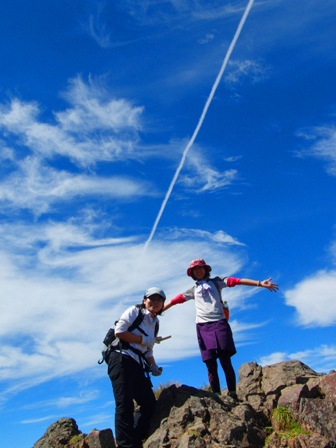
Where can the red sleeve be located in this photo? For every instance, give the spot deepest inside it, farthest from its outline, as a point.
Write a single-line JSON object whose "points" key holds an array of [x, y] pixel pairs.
{"points": [[232, 281], [178, 299]]}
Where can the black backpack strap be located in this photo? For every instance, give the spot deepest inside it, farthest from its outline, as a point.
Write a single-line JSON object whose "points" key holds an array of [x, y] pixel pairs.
{"points": [[137, 320], [142, 358], [125, 345], [110, 337]]}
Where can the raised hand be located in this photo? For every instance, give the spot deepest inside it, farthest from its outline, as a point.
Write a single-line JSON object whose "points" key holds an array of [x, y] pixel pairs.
{"points": [[272, 287]]}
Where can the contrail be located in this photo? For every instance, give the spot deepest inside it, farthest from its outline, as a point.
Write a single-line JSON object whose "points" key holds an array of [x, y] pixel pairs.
{"points": [[200, 121]]}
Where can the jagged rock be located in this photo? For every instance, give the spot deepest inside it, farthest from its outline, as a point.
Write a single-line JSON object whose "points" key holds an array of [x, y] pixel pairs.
{"points": [[291, 396], [250, 378], [186, 417], [58, 434], [301, 441], [100, 439], [284, 374], [65, 434], [191, 418], [319, 416]]}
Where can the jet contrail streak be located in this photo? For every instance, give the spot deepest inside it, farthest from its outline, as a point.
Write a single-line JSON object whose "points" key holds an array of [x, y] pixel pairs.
{"points": [[200, 121]]}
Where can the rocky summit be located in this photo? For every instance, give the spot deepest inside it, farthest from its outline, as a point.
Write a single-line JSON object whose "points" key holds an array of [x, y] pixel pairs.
{"points": [[284, 405]]}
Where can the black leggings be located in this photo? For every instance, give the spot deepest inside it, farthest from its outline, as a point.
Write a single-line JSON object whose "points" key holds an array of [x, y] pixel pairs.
{"points": [[230, 376]]}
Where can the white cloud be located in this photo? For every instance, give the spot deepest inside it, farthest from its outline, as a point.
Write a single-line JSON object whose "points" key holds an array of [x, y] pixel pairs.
{"points": [[37, 186], [94, 108], [321, 359], [7, 154], [98, 30], [198, 234], [97, 127], [84, 396], [215, 180], [325, 354], [273, 358], [323, 145], [237, 70], [36, 420], [215, 12], [332, 252], [206, 39], [203, 177], [314, 299], [64, 289]]}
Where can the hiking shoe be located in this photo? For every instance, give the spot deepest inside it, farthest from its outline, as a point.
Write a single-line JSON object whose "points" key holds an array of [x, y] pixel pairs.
{"points": [[233, 395]]}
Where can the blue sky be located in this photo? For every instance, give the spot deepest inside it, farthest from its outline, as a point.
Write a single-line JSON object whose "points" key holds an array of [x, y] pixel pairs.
{"points": [[98, 101]]}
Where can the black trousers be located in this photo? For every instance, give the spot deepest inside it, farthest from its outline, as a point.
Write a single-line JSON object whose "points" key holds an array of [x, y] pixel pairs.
{"points": [[230, 376], [129, 383]]}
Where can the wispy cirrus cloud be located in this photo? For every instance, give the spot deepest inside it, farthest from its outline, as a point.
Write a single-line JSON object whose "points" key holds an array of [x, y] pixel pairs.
{"points": [[202, 177], [193, 234], [321, 359], [63, 401], [321, 145], [94, 108], [98, 30], [96, 126], [38, 187], [239, 69], [206, 39], [179, 11]]}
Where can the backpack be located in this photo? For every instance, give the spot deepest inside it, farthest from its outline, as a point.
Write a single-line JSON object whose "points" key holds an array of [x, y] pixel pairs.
{"points": [[111, 342]]}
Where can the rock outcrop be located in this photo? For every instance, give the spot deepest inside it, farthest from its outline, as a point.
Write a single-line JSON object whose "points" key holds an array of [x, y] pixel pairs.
{"points": [[284, 405], [65, 433], [191, 418]]}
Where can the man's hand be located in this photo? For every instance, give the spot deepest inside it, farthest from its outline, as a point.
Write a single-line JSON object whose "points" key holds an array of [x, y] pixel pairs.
{"points": [[148, 341], [156, 371]]}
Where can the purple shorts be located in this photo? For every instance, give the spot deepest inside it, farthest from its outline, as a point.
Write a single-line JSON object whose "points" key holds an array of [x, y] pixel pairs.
{"points": [[215, 337]]}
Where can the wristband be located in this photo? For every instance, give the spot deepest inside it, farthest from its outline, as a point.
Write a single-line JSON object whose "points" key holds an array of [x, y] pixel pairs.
{"points": [[178, 299]]}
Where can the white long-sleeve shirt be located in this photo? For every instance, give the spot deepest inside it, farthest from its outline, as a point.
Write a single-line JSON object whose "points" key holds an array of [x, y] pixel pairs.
{"points": [[147, 325]]}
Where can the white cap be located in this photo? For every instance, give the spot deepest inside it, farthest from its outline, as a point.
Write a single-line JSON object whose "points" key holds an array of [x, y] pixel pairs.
{"points": [[153, 291]]}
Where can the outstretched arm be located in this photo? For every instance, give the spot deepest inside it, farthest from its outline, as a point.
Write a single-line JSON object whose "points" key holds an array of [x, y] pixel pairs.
{"points": [[174, 301], [272, 287]]}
